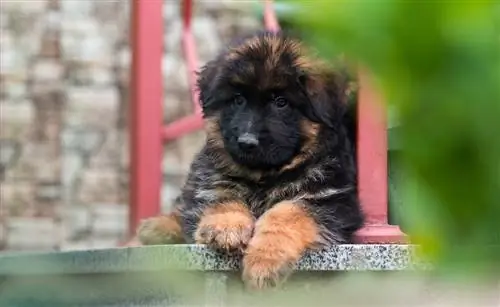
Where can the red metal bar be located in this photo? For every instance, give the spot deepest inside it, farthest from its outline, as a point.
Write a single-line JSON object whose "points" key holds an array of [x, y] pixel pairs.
{"points": [[182, 127], [372, 167], [145, 110], [372, 157], [190, 54], [190, 123], [270, 20]]}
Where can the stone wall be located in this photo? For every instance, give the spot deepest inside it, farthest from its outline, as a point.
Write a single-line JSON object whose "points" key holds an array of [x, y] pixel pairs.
{"points": [[63, 110]]}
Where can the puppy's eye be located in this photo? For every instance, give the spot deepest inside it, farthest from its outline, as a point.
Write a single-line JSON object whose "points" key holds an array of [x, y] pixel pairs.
{"points": [[280, 102], [239, 100]]}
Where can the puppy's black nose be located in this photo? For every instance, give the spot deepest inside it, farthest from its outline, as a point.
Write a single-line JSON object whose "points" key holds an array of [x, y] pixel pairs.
{"points": [[248, 141]]}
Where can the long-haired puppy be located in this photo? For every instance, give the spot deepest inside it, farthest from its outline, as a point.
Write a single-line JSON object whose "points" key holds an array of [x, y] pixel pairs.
{"points": [[277, 175]]}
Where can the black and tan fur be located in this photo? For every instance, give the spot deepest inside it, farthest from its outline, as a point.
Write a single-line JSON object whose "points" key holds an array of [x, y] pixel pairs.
{"points": [[296, 189]]}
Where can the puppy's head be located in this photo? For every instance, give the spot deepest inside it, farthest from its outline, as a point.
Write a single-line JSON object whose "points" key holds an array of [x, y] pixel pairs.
{"points": [[265, 101]]}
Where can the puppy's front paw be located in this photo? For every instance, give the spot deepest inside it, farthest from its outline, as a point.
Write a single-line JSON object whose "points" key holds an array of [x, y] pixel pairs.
{"points": [[227, 231], [164, 229], [282, 235], [268, 262]]}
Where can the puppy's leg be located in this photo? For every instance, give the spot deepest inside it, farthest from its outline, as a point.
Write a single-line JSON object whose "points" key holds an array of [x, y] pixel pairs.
{"points": [[227, 226], [162, 229], [280, 238]]}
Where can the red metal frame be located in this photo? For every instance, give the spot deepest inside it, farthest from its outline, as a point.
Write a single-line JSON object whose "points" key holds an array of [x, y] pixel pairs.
{"points": [[270, 20], [145, 110], [190, 54], [147, 133], [372, 167]]}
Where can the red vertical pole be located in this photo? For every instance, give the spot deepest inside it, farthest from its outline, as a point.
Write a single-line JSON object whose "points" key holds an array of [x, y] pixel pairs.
{"points": [[145, 110], [270, 21], [190, 56], [372, 167]]}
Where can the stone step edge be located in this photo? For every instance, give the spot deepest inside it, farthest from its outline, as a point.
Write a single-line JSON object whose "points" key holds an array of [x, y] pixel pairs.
{"points": [[348, 257]]}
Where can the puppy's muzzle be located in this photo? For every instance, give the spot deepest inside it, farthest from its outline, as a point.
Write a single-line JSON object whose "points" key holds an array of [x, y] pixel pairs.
{"points": [[248, 141]]}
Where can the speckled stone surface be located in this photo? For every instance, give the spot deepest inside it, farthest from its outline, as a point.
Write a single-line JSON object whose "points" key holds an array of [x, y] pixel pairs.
{"points": [[200, 258]]}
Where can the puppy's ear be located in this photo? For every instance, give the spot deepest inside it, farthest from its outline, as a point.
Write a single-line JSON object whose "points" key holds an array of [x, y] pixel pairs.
{"points": [[207, 78], [327, 95]]}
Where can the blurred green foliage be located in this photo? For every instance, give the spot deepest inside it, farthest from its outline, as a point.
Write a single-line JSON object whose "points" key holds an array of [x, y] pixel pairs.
{"points": [[438, 64]]}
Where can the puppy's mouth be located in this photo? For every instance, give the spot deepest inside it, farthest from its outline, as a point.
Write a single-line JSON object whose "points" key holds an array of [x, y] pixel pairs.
{"points": [[262, 158], [253, 161]]}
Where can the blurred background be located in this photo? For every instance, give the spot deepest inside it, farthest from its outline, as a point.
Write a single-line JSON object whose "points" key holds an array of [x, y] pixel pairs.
{"points": [[64, 95], [64, 74]]}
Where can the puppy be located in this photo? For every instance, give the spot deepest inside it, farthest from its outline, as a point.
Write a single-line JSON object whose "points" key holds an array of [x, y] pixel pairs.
{"points": [[277, 174]]}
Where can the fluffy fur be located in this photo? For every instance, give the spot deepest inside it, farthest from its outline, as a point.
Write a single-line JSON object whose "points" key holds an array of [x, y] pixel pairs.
{"points": [[277, 175]]}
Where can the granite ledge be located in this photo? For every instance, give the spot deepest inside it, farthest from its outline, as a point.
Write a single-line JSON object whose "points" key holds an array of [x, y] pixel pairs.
{"points": [[349, 257]]}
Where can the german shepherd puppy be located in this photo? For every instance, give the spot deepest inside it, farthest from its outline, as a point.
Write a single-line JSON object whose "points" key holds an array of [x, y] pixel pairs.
{"points": [[277, 175]]}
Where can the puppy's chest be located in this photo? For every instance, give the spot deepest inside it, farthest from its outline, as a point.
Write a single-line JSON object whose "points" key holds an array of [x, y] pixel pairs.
{"points": [[261, 198], [258, 200]]}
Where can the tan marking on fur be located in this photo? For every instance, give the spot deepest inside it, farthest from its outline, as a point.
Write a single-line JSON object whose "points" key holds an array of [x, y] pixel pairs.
{"points": [[317, 70], [227, 207], [212, 129], [162, 229], [321, 74], [236, 52], [281, 237], [277, 46], [306, 60], [237, 79], [227, 226], [310, 131]]}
